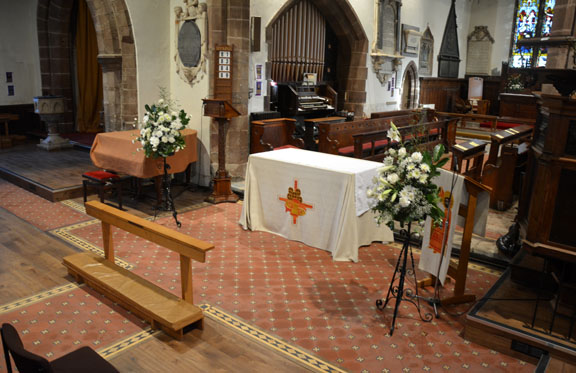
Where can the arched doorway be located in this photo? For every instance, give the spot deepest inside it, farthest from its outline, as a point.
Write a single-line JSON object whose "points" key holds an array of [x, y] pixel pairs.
{"points": [[116, 56], [351, 73], [410, 87]]}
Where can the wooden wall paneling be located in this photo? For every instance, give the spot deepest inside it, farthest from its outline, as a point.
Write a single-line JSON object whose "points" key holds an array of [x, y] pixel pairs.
{"points": [[518, 106], [441, 92]]}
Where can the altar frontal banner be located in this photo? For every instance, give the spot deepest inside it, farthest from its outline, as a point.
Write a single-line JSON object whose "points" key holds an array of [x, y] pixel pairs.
{"points": [[437, 240]]}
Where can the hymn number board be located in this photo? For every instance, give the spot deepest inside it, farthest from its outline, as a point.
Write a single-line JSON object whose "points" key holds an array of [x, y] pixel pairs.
{"points": [[223, 72]]}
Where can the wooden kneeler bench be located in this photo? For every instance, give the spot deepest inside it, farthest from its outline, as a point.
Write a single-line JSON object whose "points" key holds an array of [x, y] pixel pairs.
{"points": [[150, 302]]}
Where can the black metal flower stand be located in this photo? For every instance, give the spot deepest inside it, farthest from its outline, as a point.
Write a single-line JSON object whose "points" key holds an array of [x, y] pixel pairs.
{"points": [[398, 291], [167, 200]]}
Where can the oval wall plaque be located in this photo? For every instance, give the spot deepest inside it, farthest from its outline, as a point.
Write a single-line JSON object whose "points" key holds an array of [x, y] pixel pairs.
{"points": [[189, 42]]}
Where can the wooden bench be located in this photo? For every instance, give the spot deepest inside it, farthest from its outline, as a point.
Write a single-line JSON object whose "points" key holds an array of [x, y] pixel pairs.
{"points": [[502, 161], [268, 134], [425, 136], [159, 307]]}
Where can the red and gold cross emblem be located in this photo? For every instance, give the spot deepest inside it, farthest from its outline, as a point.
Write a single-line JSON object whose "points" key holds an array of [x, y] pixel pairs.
{"points": [[293, 202]]}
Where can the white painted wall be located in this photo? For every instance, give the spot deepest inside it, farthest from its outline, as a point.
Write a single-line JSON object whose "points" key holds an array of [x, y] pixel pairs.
{"points": [[266, 9], [189, 97], [498, 15], [19, 52], [151, 29]]}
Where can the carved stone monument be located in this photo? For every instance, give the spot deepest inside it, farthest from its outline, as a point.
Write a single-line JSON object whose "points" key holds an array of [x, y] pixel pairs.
{"points": [[479, 51], [426, 57], [386, 58], [190, 39], [410, 40]]}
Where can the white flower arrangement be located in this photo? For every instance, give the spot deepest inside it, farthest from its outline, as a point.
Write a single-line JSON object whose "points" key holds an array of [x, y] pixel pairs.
{"points": [[160, 134], [403, 189]]}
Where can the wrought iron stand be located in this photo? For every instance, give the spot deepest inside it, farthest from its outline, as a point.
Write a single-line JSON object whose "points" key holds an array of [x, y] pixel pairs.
{"points": [[167, 200], [398, 291]]}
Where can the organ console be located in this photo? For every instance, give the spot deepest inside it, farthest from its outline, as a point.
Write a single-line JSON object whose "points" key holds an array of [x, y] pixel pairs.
{"points": [[306, 100]]}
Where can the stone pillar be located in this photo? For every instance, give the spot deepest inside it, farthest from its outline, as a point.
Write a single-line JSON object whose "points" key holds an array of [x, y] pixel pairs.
{"points": [[112, 83], [229, 23]]}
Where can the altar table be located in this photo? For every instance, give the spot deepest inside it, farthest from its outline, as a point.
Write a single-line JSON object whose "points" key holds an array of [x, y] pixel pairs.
{"points": [[315, 198], [115, 151]]}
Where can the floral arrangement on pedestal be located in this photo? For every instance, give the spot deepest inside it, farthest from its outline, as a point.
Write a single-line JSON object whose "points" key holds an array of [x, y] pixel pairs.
{"points": [[160, 134], [515, 83], [403, 188]]}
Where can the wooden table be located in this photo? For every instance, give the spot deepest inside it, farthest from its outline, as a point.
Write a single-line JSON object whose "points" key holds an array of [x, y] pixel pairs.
{"points": [[116, 151]]}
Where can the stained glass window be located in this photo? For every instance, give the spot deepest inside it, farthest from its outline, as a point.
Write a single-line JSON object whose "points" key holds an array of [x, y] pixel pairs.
{"points": [[533, 19]]}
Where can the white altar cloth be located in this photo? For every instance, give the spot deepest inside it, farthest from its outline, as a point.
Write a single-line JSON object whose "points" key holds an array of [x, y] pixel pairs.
{"points": [[327, 206]]}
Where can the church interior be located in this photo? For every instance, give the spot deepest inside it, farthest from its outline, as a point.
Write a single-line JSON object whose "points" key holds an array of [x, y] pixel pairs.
{"points": [[288, 185]]}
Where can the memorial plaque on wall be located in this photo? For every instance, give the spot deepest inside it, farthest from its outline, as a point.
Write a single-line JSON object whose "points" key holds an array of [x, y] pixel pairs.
{"points": [[426, 56], [388, 31], [410, 40], [189, 42], [479, 51]]}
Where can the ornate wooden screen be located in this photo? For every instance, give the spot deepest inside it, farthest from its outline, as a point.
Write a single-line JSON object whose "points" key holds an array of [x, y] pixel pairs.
{"points": [[298, 43]]}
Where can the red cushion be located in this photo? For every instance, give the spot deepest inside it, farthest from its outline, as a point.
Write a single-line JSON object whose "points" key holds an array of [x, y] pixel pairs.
{"points": [[349, 150], [100, 175], [286, 147], [500, 125]]}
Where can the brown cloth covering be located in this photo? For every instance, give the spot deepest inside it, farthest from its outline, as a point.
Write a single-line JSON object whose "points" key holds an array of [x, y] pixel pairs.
{"points": [[115, 151]]}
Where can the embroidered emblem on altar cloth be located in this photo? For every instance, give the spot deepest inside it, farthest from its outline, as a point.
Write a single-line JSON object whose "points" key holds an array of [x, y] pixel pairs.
{"points": [[293, 202]]}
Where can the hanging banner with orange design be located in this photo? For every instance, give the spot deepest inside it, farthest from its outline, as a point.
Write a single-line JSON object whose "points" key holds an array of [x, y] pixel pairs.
{"points": [[437, 240], [438, 232], [293, 203]]}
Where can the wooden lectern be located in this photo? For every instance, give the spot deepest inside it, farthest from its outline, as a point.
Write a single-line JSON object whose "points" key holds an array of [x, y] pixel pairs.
{"points": [[222, 111], [459, 270]]}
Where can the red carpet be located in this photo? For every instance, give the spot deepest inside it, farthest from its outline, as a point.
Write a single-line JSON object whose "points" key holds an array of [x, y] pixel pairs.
{"points": [[283, 287], [37, 211], [67, 318]]}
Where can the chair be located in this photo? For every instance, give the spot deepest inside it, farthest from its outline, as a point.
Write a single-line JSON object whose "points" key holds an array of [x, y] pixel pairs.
{"points": [[84, 359], [103, 180]]}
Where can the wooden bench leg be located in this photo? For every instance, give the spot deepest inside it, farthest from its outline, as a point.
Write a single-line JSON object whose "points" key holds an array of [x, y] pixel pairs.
{"points": [[84, 187], [119, 192]]}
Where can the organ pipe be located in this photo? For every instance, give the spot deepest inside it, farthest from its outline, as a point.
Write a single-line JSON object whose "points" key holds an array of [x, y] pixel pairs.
{"points": [[298, 43]]}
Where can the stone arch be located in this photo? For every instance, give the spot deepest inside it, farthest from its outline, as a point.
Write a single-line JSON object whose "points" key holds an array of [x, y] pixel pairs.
{"points": [[116, 55], [410, 88], [352, 70]]}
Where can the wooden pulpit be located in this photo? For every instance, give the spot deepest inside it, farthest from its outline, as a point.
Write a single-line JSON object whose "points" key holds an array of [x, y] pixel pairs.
{"points": [[222, 111]]}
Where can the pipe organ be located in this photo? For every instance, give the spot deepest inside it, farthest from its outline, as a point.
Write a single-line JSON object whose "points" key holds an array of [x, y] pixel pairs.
{"points": [[298, 42]]}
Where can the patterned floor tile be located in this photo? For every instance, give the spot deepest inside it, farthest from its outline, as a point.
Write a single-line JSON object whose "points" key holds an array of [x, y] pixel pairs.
{"points": [[301, 295]]}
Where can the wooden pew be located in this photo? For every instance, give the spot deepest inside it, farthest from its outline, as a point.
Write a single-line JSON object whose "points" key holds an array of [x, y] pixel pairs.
{"points": [[273, 133], [371, 145], [422, 115], [496, 123], [311, 126], [499, 169], [150, 302], [468, 158], [337, 138]]}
